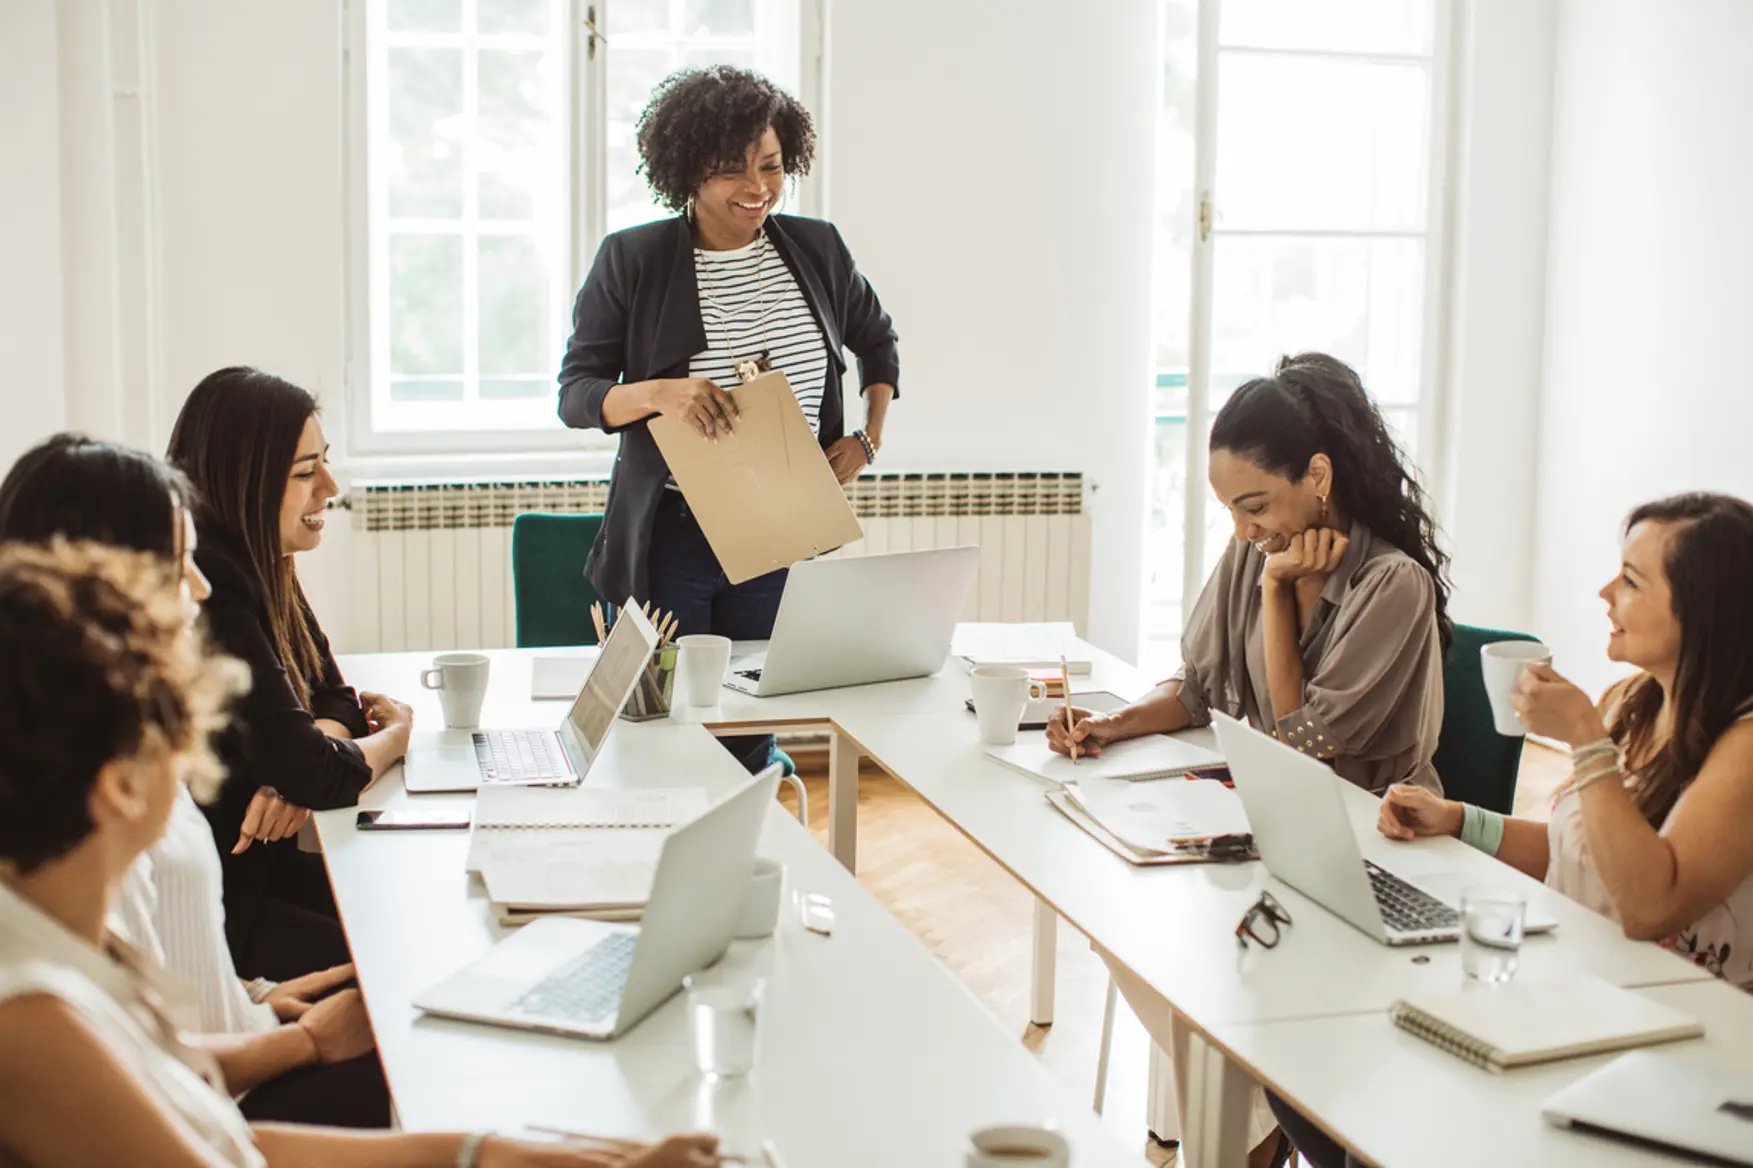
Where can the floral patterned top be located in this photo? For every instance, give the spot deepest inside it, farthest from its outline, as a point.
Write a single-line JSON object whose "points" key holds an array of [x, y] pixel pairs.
{"points": [[1720, 941]]}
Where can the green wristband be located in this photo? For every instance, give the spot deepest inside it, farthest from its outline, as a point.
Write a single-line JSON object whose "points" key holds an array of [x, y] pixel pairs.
{"points": [[1481, 830]]}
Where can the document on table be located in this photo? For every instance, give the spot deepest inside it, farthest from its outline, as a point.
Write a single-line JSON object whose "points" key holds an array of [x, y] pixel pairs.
{"points": [[1152, 817], [1157, 756], [515, 821]]}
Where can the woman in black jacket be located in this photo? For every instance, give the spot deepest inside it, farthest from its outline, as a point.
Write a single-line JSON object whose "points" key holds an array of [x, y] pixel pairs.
{"points": [[674, 311], [301, 740]]}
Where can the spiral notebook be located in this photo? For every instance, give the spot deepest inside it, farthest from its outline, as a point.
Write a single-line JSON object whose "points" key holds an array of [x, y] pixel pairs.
{"points": [[512, 821], [1525, 1022]]}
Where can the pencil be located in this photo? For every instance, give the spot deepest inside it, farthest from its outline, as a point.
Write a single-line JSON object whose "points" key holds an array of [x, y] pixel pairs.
{"points": [[1065, 682]]}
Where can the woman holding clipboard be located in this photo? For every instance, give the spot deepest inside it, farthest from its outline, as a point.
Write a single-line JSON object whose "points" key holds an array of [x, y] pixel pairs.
{"points": [[676, 311]]}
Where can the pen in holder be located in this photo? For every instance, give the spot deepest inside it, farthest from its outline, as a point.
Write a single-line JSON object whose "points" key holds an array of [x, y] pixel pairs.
{"points": [[657, 685]]}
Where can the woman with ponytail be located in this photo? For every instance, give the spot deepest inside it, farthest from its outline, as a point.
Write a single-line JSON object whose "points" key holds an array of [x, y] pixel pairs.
{"points": [[1326, 620]]}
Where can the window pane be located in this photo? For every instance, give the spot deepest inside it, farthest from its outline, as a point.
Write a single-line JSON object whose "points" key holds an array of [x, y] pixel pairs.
{"points": [[718, 18], [426, 390], [513, 133], [514, 284], [1176, 199], [516, 388], [425, 15], [520, 16], [1359, 26], [702, 58], [424, 162], [639, 17], [633, 74], [1321, 145], [1360, 300], [426, 304]]}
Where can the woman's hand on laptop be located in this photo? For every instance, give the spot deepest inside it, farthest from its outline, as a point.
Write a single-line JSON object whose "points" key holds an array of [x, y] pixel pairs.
{"points": [[1409, 812], [1089, 730]]}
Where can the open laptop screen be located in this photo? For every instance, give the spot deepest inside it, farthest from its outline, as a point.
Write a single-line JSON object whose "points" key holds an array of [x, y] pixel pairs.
{"points": [[617, 670]]}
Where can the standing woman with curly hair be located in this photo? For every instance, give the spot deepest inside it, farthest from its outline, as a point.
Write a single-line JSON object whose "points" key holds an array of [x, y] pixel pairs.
{"points": [[670, 311], [1326, 620]]}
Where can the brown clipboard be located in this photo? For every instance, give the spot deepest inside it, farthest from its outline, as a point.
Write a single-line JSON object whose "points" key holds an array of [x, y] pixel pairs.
{"points": [[764, 495]]}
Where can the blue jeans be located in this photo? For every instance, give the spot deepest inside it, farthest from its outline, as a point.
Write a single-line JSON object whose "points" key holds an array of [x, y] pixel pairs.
{"points": [[686, 580]]}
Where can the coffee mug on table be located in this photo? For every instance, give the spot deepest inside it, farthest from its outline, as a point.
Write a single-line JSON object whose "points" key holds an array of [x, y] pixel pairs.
{"points": [[700, 668], [1503, 662], [760, 911], [461, 682], [1017, 1145], [1000, 693]]}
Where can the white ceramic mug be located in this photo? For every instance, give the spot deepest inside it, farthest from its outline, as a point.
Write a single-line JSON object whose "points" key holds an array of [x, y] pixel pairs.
{"points": [[461, 682], [760, 913], [1000, 692], [1503, 662], [1017, 1145], [700, 667]]}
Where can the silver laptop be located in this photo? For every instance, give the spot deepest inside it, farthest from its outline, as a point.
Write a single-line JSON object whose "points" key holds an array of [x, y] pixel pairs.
{"points": [[1681, 1101], [464, 760], [861, 619], [593, 979], [1297, 814]]}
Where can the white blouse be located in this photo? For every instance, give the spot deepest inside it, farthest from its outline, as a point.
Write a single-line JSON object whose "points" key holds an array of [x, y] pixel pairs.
{"points": [[170, 908], [115, 996]]}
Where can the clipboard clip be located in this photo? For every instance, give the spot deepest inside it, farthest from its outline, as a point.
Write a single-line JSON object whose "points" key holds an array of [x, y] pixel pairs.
{"points": [[1237, 846]]}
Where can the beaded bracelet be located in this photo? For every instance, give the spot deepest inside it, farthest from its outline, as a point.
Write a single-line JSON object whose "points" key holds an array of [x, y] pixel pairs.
{"points": [[869, 450]]}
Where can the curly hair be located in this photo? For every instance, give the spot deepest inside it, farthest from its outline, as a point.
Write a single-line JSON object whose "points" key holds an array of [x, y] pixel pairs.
{"points": [[107, 670], [1315, 404], [701, 121]]}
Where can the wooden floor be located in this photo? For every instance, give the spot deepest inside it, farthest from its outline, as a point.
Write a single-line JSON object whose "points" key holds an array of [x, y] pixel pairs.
{"points": [[964, 908]]}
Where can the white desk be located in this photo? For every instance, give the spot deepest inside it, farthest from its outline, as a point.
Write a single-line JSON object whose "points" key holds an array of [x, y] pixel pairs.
{"points": [[1396, 1099], [853, 1067]]}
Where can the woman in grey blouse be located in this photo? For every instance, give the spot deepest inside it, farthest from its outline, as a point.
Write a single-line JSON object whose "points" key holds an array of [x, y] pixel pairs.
{"points": [[1326, 620]]}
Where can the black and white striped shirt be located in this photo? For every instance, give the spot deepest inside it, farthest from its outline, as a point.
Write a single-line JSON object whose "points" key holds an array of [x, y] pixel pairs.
{"points": [[750, 303]]}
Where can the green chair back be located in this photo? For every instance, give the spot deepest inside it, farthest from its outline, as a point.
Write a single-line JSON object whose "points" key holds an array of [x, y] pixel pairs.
{"points": [[550, 595], [1476, 763]]}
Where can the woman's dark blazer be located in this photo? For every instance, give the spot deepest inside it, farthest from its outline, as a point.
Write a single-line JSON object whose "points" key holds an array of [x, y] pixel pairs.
{"points": [[638, 318]]}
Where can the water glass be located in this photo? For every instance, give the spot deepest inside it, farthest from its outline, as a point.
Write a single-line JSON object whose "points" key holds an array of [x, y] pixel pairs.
{"points": [[724, 1010], [1491, 933]]}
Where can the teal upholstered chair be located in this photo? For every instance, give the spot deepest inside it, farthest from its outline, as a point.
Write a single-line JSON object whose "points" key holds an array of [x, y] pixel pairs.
{"points": [[552, 599], [1476, 763], [550, 595]]}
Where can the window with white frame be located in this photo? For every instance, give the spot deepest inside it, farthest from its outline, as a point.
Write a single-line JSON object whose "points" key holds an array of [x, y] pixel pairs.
{"points": [[1299, 208], [498, 148]]}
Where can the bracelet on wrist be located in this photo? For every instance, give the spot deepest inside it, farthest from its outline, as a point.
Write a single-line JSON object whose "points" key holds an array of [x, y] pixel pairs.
{"points": [[469, 1151], [869, 450]]}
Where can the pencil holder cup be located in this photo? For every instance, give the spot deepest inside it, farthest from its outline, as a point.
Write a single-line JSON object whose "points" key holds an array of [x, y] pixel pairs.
{"points": [[657, 685]]}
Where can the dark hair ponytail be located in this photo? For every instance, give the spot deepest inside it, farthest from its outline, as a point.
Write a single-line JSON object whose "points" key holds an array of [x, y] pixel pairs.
{"points": [[1315, 404], [1709, 561]]}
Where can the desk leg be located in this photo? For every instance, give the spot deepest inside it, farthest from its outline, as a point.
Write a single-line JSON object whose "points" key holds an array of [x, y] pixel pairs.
{"points": [[1161, 1117], [843, 800], [1043, 956], [1215, 1099]]}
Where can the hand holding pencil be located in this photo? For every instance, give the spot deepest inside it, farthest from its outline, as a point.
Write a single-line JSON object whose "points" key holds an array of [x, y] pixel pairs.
{"points": [[1080, 730], [1065, 693]]}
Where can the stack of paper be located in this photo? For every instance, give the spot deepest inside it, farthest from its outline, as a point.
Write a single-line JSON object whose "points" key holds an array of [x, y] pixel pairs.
{"points": [[1027, 646], [582, 851], [1156, 756], [1158, 817]]}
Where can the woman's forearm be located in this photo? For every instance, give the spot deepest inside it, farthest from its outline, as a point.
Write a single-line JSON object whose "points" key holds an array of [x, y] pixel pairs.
{"points": [[287, 1146], [1158, 712], [383, 749], [1636, 865], [876, 410], [629, 402], [249, 1060], [1284, 657], [1524, 846]]}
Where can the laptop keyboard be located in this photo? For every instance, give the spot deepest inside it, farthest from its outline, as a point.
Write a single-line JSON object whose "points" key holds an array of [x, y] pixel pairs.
{"points": [[1405, 908], [585, 989], [510, 756]]}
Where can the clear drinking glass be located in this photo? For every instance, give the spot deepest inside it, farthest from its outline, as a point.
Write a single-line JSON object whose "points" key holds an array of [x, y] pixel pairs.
{"points": [[724, 1010], [1491, 933]]}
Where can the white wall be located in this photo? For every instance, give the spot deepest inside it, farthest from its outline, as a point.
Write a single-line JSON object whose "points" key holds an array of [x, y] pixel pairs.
{"points": [[30, 228], [993, 172], [1649, 288]]}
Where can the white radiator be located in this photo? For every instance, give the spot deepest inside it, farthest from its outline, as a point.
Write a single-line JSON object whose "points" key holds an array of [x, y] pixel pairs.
{"points": [[432, 562]]}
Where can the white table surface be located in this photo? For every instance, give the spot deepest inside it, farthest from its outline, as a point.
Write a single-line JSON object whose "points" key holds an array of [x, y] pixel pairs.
{"points": [[1396, 1099], [871, 1052]]}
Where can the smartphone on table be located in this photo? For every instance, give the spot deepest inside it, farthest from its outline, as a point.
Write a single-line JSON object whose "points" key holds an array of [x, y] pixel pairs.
{"points": [[412, 819]]}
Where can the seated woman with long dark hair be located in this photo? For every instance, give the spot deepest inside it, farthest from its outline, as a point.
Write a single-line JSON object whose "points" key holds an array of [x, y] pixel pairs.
{"points": [[253, 448], [301, 1058], [102, 731]]}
